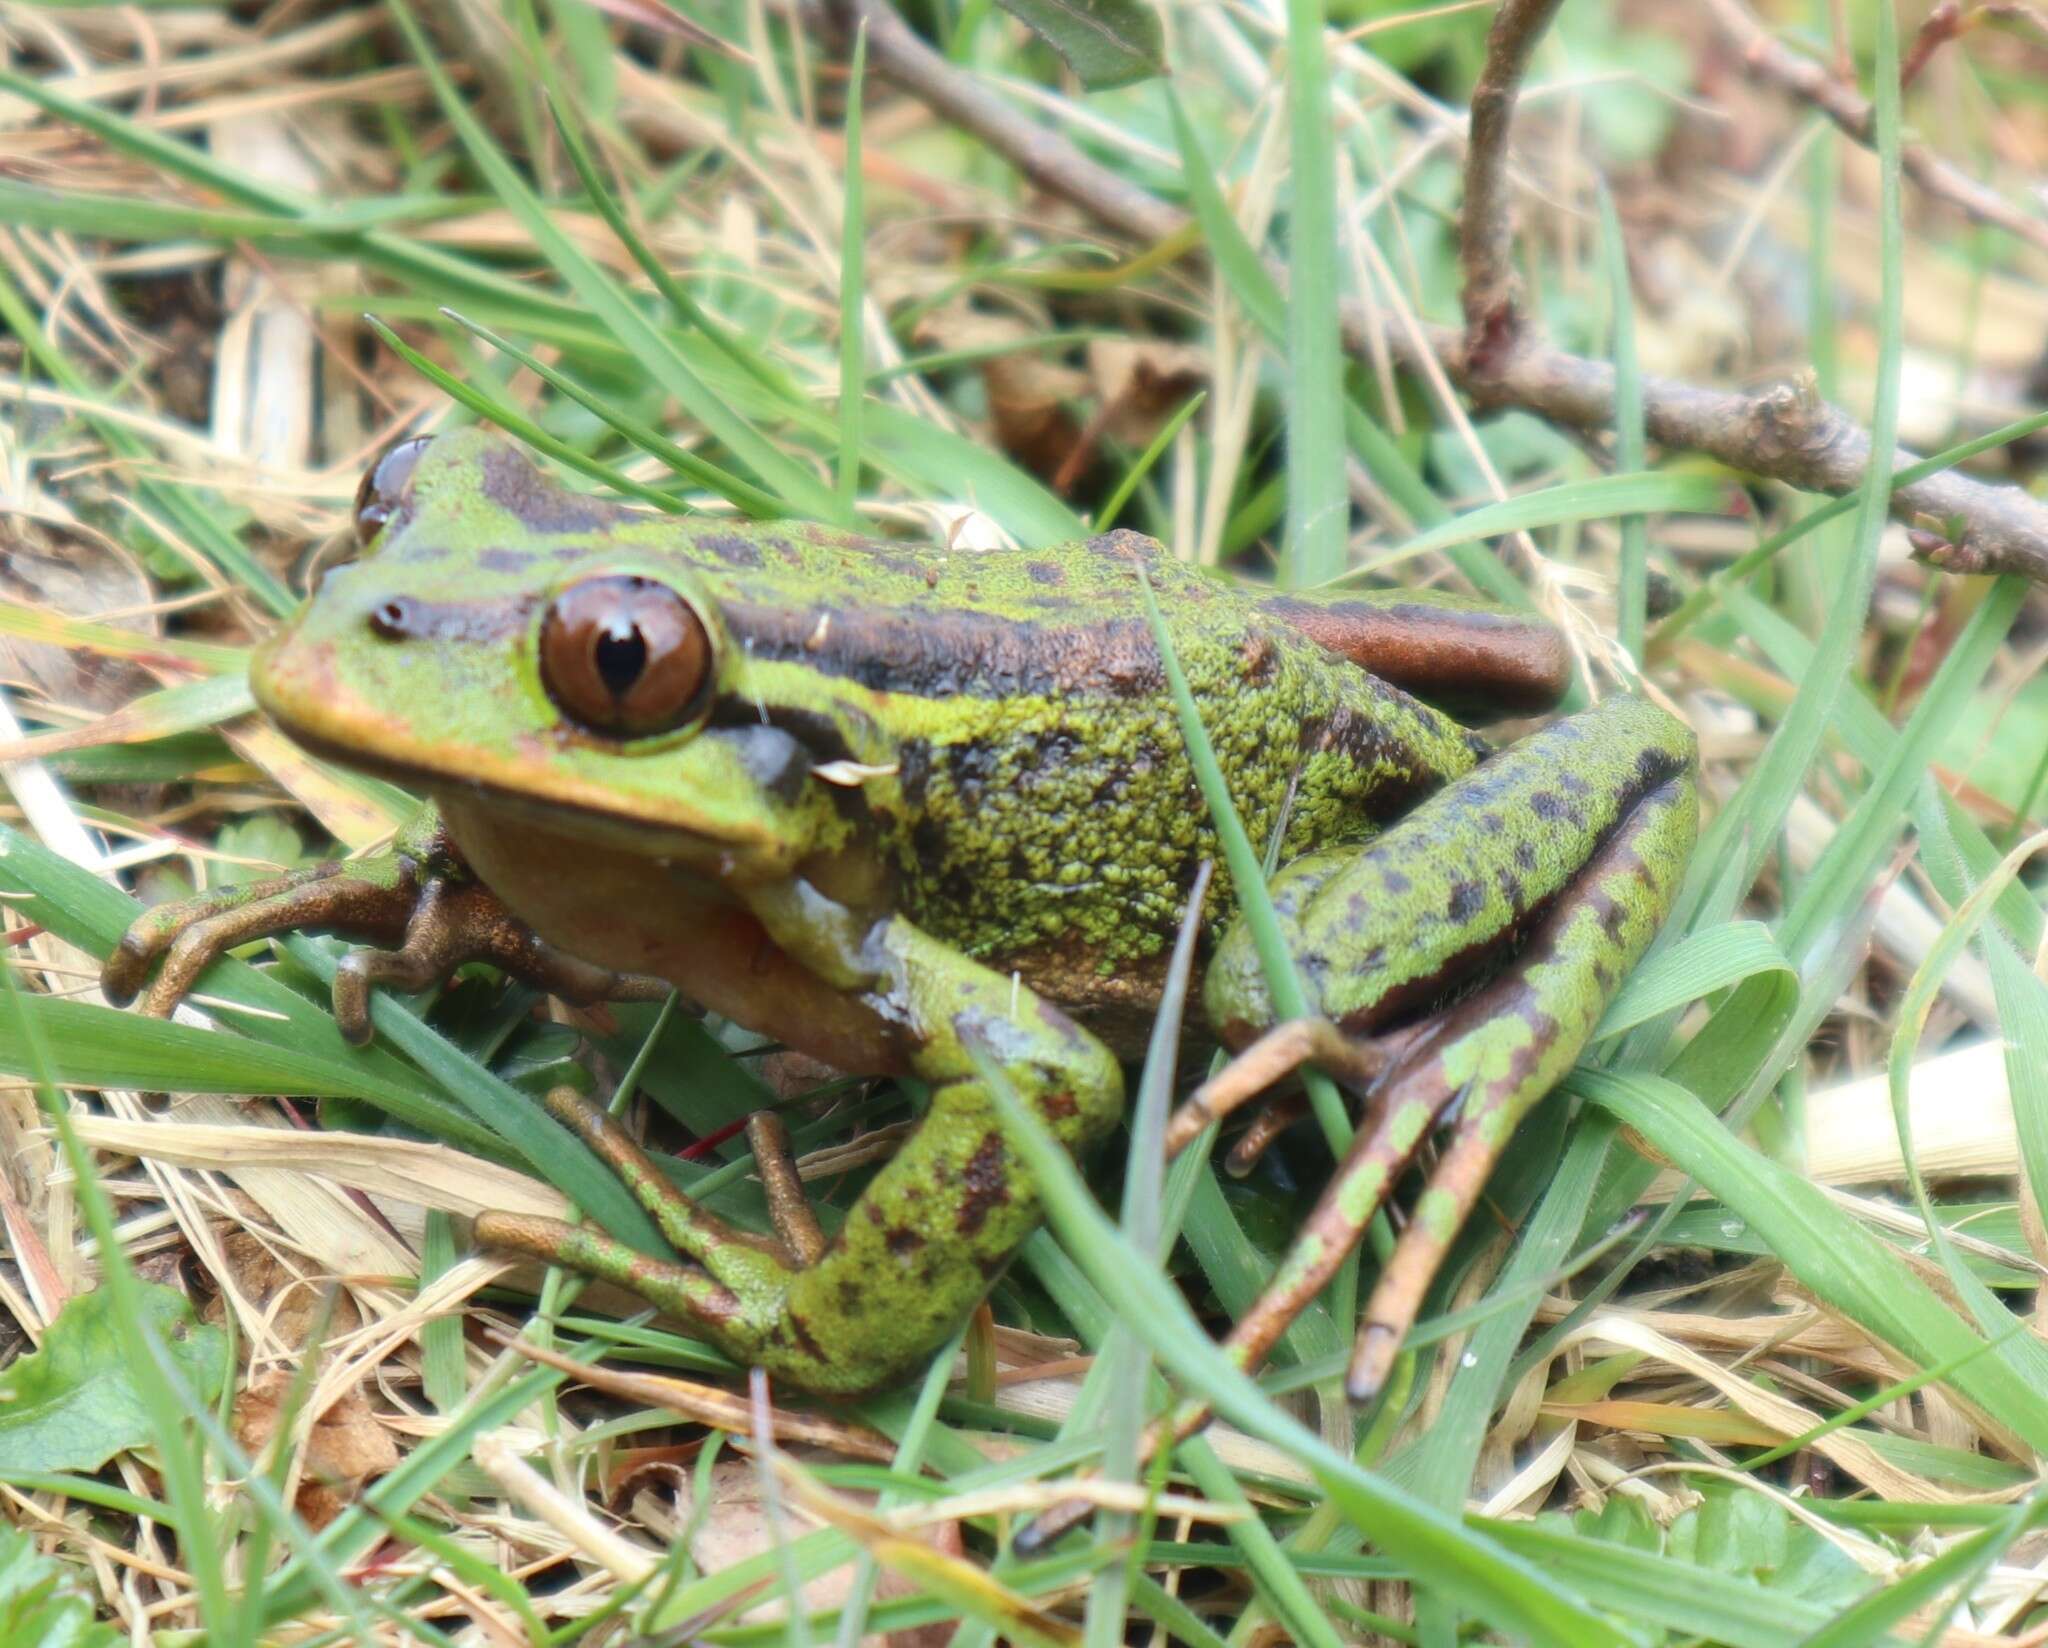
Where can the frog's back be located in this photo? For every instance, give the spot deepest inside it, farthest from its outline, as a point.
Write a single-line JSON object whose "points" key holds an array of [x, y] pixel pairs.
{"points": [[1029, 794]]}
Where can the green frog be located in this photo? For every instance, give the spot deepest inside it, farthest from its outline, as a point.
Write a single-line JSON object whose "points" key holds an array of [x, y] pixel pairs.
{"points": [[899, 806]]}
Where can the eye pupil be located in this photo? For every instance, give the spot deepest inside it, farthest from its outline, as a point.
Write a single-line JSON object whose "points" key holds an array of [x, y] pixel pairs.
{"points": [[621, 659]]}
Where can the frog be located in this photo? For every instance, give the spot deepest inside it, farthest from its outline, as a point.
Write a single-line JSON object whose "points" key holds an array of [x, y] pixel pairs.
{"points": [[924, 812]]}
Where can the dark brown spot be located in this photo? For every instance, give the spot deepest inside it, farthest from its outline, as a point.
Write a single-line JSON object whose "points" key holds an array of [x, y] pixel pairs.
{"points": [[505, 560], [733, 551], [801, 1332], [1122, 544], [1655, 767], [1059, 1107], [514, 484], [1467, 899], [1046, 572], [985, 1185], [903, 1242]]}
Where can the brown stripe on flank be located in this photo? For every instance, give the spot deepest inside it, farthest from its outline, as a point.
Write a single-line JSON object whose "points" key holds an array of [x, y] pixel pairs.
{"points": [[932, 653]]}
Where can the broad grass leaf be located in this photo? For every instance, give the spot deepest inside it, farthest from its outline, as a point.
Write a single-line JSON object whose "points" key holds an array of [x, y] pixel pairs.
{"points": [[1105, 42], [74, 1403], [40, 1603]]}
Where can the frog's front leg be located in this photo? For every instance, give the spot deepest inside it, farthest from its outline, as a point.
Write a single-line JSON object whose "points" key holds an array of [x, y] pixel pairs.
{"points": [[920, 1247], [418, 897], [1521, 896]]}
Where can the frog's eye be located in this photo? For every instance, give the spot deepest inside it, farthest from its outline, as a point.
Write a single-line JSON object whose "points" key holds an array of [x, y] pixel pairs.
{"points": [[626, 656], [383, 486]]}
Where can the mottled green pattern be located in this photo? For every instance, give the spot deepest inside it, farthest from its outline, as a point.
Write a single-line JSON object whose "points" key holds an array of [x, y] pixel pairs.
{"points": [[1461, 875]]}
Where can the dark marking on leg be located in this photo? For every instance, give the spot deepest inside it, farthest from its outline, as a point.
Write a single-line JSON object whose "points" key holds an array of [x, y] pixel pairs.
{"points": [[987, 1185]]}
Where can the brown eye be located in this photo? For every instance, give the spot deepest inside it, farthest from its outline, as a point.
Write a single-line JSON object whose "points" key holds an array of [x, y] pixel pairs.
{"points": [[625, 656], [383, 486]]}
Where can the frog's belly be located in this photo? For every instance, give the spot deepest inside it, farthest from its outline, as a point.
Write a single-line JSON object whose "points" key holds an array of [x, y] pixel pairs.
{"points": [[626, 911]]}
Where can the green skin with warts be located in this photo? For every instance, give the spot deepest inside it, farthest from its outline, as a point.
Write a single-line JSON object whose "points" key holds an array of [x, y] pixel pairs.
{"points": [[940, 797]]}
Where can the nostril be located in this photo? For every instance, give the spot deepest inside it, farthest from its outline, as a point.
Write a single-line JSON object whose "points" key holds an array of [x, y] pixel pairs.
{"points": [[394, 619]]}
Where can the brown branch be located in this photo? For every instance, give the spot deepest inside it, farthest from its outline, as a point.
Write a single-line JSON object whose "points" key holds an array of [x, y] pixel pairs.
{"points": [[1940, 26], [1785, 434], [1948, 21], [1486, 226], [1806, 79]]}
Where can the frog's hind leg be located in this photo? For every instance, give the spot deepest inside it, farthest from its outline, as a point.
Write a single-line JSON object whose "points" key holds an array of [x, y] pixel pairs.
{"points": [[789, 1209], [1581, 834], [1602, 863]]}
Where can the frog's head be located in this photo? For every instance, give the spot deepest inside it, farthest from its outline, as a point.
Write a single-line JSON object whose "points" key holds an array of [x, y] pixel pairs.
{"points": [[503, 636]]}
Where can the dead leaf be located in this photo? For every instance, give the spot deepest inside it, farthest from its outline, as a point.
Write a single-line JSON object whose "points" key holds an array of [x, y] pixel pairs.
{"points": [[737, 1526], [1030, 395], [1140, 384], [53, 568], [346, 1447], [289, 1302]]}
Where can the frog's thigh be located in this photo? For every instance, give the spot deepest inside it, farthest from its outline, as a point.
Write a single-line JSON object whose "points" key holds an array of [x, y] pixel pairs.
{"points": [[1438, 897], [1498, 1051]]}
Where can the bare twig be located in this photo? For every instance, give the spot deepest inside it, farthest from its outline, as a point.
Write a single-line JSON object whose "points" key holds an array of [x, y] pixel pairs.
{"points": [[1837, 99], [1948, 21], [1942, 25], [1486, 227], [1785, 434]]}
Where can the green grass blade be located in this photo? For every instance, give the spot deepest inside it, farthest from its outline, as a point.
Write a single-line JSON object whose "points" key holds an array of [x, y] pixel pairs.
{"points": [[1445, 1555], [1697, 965], [1745, 833], [1318, 500], [1598, 499], [796, 486], [1630, 448], [1954, 1572], [852, 282], [1112, 506], [1846, 1266], [742, 494]]}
